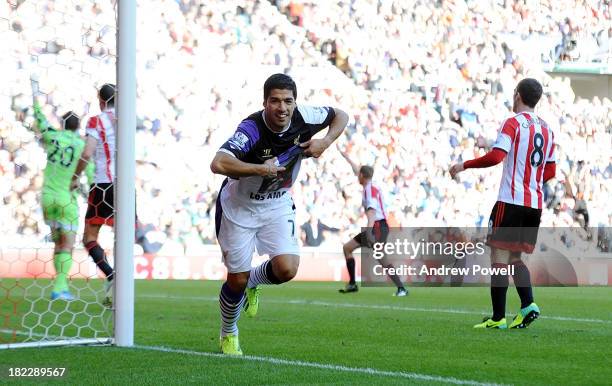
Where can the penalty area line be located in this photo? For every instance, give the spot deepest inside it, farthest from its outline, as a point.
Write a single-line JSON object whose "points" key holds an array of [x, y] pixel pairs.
{"points": [[320, 366]]}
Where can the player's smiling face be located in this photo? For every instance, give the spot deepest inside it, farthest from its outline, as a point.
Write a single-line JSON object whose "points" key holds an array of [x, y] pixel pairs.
{"points": [[278, 108]]}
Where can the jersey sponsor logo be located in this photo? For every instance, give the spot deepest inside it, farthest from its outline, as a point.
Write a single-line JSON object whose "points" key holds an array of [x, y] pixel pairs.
{"points": [[267, 153], [267, 196], [297, 140], [238, 141]]}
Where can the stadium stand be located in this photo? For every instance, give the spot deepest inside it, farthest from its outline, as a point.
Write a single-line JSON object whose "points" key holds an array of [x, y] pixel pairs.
{"points": [[426, 84]]}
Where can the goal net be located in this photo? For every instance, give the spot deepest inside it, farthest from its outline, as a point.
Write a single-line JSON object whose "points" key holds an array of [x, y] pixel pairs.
{"points": [[56, 54]]}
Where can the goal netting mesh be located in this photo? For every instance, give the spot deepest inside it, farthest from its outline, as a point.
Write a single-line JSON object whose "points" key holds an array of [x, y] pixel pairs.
{"points": [[57, 53]]}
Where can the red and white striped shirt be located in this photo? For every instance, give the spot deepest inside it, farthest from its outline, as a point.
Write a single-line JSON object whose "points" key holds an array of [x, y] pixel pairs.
{"points": [[102, 128], [372, 199], [529, 143]]}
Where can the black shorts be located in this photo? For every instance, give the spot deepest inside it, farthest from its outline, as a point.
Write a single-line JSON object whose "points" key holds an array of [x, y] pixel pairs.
{"points": [[513, 227], [380, 230], [101, 204]]}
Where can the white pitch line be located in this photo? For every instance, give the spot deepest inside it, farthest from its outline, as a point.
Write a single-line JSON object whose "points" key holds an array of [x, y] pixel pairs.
{"points": [[287, 362], [321, 366], [373, 307]]}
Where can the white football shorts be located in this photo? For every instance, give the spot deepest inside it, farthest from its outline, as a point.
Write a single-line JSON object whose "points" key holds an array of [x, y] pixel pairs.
{"points": [[275, 234]]}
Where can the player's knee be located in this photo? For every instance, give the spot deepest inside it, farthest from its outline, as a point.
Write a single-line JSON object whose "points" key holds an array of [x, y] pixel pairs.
{"points": [[237, 282], [90, 236], [347, 249], [285, 267], [286, 273], [499, 256]]}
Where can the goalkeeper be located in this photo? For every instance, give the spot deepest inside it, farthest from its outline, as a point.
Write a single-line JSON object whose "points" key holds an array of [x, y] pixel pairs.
{"points": [[59, 202]]}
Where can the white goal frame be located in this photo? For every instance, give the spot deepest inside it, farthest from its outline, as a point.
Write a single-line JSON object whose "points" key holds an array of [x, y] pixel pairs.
{"points": [[125, 201], [125, 211]]}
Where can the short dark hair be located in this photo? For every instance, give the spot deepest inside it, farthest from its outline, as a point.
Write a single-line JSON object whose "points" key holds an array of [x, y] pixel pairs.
{"points": [[530, 91], [279, 82], [70, 121], [366, 171], [107, 94]]}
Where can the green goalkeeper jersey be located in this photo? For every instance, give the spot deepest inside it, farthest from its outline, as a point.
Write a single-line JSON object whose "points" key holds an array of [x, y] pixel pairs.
{"points": [[64, 149]]}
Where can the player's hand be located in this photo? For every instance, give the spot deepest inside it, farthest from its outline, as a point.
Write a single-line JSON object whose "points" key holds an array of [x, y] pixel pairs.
{"points": [[74, 184], [314, 147], [272, 167], [456, 169]]}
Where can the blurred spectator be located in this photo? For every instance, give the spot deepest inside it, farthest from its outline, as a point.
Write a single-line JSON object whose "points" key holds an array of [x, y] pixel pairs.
{"points": [[313, 231], [427, 84]]}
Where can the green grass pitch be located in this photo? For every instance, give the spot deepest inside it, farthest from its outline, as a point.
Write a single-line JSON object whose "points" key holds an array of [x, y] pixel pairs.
{"points": [[308, 333]]}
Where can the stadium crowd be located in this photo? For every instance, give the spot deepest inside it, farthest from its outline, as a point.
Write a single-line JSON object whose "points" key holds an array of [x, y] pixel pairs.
{"points": [[430, 83]]}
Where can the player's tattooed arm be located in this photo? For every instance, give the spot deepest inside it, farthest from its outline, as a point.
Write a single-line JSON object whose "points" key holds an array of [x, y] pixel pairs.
{"points": [[316, 147], [230, 166]]}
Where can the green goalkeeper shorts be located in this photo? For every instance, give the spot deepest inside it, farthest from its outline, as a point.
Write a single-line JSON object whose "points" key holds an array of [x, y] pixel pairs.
{"points": [[61, 211]]}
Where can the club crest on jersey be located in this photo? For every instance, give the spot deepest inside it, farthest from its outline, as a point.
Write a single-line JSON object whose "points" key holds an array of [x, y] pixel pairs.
{"points": [[238, 141]]}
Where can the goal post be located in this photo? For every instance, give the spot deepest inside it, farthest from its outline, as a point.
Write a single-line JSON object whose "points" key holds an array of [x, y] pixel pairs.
{"points": [[67, 52], [125, 188]]}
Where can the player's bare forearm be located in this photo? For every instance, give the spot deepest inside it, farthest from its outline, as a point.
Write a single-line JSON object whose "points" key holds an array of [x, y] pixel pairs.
{"points": [[370, 213], [316, 147], [348, 159], [337, 126], [81, 165], [90, 147], [233, 167], [79, 169], [354, 166], [230, 166]]}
